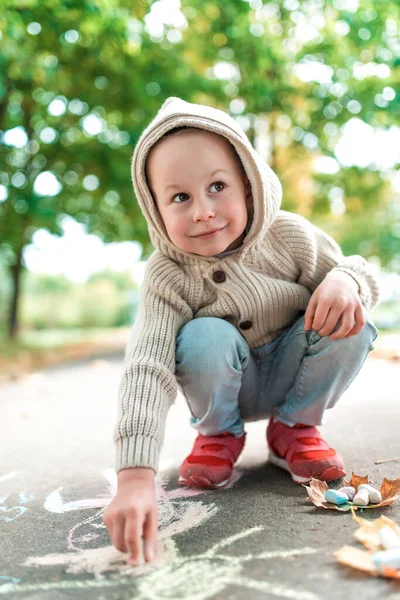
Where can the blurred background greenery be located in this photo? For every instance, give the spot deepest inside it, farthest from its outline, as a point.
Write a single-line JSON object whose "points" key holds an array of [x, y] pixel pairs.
{"points": [[315, 85]]}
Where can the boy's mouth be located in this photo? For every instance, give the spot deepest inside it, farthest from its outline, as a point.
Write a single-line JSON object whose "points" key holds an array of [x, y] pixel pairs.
{"points": [[210, 232]]}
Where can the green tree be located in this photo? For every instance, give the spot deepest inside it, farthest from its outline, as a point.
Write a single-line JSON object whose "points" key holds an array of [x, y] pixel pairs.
{"points": [[81, 79], [78, 82], [256, 51]]}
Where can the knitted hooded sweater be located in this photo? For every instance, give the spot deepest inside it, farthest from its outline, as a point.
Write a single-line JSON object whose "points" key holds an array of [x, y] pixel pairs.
{"points": [[262, 287]]}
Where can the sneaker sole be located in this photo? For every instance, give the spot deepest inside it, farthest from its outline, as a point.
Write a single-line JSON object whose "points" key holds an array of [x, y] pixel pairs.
{"points": [[330, 474], [200, 482], [280, 462]]}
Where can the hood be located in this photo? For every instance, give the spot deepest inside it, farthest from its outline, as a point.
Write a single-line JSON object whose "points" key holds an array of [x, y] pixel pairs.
{"points": [[265, 186]]}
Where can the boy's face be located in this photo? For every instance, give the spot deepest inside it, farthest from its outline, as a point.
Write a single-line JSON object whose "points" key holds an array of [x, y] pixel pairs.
{"points": [[199, 185]]}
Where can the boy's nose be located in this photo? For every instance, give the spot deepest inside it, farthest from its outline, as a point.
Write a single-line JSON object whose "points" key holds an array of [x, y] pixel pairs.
{"points": [[203, 209]]}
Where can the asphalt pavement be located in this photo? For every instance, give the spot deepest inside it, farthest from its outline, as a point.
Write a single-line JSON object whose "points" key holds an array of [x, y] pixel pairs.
{"points": [[261, 538]]}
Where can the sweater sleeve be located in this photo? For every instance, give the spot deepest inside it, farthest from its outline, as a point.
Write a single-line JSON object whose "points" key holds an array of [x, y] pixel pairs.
{"points": [[148, 386], [317, 254]]}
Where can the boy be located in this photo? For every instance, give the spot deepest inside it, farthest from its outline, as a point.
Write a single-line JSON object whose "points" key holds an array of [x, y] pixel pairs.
{"points": [[253, 311]]}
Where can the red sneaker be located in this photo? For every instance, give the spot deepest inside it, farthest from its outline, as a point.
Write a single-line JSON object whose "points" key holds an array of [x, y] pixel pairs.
{"points": [[210, 463], [303, 452]]}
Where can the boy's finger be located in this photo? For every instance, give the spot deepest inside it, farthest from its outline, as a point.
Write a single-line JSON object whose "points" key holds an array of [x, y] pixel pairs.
{"points": [[332, 320], [309, 314], [111, 529], [118, 536], [109, 523], [347, 322], [320, 315], [308, 317], [133, 539], [150, 530], [359, 321]]}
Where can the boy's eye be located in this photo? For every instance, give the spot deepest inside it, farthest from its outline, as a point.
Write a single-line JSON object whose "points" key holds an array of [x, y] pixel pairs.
{"points": [[219, 185], [180, 197]]}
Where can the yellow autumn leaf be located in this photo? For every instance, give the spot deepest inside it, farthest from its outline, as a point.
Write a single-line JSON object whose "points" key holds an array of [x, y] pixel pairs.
{"points": [[368, 534], [356, 558]]}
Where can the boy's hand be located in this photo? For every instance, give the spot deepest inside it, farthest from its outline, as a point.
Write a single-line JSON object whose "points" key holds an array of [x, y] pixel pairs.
{"points": [[132, 516], [336, 298]]}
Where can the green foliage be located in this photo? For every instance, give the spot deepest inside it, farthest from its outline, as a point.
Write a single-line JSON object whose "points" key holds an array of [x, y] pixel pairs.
{"points": [[264, 43], [95, 60], [68, 67], [107, 300]]}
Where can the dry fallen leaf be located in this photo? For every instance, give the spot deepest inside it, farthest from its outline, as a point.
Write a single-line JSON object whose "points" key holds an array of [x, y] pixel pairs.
{"points": [[354, 557], [367, 534], [355, 480], [389, 490]]}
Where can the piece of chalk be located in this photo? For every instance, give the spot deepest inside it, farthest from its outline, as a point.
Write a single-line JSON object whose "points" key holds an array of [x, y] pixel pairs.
{"points": [[349, 491], [374, 494], [387, 558], [389, 538], [361, 498], [335, 497]]}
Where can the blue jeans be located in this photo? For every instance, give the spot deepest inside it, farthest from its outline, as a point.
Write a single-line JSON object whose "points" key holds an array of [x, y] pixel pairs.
{"points": [[295, 378]]}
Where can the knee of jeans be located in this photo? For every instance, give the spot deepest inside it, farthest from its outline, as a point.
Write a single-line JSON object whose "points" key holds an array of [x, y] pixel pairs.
{"points": [[370, 332], [362, 341], [203, 341]]}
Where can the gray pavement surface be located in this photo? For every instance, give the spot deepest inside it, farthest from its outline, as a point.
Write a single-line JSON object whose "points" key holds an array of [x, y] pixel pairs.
{"points": [[261, 538]]}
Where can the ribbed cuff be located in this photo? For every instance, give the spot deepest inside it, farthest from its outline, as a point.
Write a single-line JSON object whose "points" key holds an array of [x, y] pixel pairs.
{"points": [[137, 451]]}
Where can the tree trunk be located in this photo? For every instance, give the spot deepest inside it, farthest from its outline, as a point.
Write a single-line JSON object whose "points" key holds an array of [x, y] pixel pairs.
{"points": [[16, 271]]}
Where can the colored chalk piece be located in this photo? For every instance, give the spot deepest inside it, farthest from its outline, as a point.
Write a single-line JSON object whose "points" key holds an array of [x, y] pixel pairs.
{"points": [[361, 498], [387, 558], [374, 494], [335, 497], [349, 491]]}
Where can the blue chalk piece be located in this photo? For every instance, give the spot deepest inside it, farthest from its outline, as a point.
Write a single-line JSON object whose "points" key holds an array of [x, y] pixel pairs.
{"points": [[335, 497], [387, 558]]}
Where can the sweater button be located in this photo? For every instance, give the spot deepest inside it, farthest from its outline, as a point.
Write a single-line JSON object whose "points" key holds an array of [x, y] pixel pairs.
{"points": [[219, 276], [245, 325]]}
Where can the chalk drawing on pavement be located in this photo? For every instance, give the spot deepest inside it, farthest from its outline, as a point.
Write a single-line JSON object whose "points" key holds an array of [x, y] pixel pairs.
{"points": [[10, 513], [208, 573]]}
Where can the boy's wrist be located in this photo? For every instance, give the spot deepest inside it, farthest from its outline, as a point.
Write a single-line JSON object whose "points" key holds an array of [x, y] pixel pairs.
{"points": [[144, 473], [347, 277]]}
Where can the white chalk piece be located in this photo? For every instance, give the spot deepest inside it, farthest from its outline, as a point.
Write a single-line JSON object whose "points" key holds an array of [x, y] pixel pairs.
{"points": [[374, 494], [349, 491], [387, 558], [335, 497], [389, 538], [361, 498]]}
